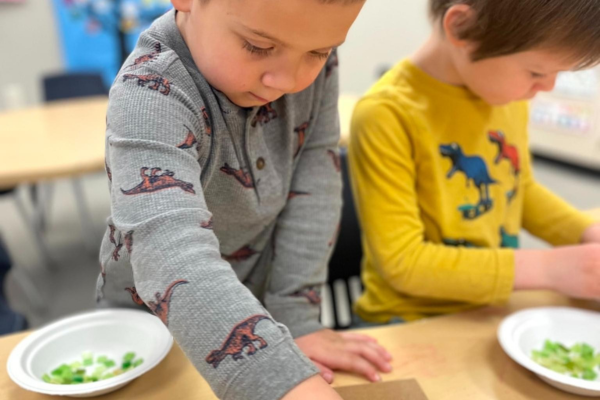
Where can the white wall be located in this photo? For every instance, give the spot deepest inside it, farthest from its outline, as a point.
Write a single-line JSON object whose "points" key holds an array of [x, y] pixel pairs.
{"points": [[385, 32], [29, 48]]}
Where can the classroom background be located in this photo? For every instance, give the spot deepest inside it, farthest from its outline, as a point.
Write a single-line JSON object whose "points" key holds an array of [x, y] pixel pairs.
{"points": [[35, 45]]}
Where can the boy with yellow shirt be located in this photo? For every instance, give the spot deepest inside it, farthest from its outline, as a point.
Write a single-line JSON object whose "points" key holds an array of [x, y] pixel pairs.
{"points": [[441, 170]]}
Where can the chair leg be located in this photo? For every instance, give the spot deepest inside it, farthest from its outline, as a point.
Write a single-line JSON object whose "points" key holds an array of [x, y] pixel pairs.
{"points": [[29, 288], [37, 235], [85, 217], [342, 306], [327, 308], [41, 197]]}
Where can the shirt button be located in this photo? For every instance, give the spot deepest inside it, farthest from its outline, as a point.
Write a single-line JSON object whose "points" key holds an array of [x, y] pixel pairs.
{"points": [[260, 163]]}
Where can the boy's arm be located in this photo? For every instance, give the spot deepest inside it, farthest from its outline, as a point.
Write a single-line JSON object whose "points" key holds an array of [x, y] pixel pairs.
{"points": [[306, 229], [549, 217], [158, 206], [384, 180]]}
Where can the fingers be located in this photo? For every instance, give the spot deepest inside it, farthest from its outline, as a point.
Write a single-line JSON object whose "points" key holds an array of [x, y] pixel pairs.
{"points": [[325, 372], [374, 354], [372, 342], [355, 363], [357, 336]]}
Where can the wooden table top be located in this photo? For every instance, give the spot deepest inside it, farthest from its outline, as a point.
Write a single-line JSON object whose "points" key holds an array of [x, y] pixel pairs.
{"points": [[57, 139], [454, 357]]}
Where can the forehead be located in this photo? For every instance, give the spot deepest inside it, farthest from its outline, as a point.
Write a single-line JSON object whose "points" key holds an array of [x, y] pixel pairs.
{"points": [[547, 60], [301, 24]]}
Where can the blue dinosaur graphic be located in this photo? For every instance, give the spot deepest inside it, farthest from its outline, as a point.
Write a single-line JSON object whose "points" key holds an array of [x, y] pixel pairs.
{"points": [[508, 241], [475, 170]]}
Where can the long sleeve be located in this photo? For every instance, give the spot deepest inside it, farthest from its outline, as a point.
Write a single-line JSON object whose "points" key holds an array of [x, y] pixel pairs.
{"points": [[307, 226], [384, 179], [155, 137], [549, 217]]}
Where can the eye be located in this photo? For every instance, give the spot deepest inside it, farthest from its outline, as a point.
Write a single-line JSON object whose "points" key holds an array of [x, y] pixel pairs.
{"points": [[319, 55], [259, 51], [537, 75]]}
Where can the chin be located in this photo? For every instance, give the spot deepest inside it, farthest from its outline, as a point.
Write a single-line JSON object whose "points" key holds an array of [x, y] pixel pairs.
{"points": [[496, 102]]}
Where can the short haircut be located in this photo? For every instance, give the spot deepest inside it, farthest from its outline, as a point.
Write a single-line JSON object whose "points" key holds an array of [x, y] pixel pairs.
{"points": [[504, 27]]}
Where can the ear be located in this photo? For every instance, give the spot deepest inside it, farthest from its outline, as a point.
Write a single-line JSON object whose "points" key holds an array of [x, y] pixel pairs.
{"points": [[456, 20], [183, 5]]}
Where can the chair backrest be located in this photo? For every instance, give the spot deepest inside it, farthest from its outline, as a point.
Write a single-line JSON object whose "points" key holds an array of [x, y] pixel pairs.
{"points": [[73, 85], [344, 266]]}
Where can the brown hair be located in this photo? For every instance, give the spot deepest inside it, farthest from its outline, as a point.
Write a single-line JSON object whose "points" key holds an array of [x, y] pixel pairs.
{"points": [[503, 27]]}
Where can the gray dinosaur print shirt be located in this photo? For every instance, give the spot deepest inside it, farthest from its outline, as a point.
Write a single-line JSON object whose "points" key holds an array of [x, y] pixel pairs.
{"points": [[222, 218]]}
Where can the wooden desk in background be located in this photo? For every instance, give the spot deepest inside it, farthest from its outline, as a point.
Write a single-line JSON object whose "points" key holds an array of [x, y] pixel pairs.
{"points": [[67, 138], [454, 357], [54, 140]]}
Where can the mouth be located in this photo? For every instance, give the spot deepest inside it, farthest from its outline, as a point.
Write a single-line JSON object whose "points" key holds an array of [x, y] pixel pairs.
{"points": [[261, 99]]}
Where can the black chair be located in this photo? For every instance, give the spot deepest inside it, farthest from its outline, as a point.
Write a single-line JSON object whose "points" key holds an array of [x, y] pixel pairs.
{"points": [[344, 266], [73, 85]]}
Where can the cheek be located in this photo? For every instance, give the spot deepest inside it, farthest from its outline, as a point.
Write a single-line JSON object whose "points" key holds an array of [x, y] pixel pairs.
{"points": [[307, 76], [228, 71]]}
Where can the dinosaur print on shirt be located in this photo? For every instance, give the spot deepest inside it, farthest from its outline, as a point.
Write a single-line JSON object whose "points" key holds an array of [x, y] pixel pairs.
{"points": [[241, 336], [155, 182]]}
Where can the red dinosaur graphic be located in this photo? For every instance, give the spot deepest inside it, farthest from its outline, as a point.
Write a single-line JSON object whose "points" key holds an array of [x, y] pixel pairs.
{"points": [[103, 273], [241, 336], [160, 307], [156, 80], [337, 162], [332, 63], [135, 296], [301, 131], [505, 151], [264, 115], [190, 140], [241, 255], [207, 121], [118, 245], [207, 224], [153, 182], [146, 58], [311, 293], [240, 175], [108, 171], [293, 194], [128, 239]]}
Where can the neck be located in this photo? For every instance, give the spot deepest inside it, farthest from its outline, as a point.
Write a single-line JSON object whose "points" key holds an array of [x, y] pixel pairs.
{"points": [[435, 59]]}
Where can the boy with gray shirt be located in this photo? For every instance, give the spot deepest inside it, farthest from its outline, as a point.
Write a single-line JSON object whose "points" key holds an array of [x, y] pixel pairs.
{"points": [[225, 191]]}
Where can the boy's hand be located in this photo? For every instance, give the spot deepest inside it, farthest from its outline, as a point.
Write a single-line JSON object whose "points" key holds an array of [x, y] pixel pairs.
{"points": [[345, 351], [575, 271], [591, 234]]}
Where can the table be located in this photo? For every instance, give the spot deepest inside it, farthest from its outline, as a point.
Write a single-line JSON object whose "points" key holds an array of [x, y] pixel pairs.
{"points": [[54, 140], [455, 357], [66, 138]]}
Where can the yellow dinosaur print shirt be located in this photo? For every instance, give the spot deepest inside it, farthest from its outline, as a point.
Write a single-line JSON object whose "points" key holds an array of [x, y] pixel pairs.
{"points": [[443, 185]]}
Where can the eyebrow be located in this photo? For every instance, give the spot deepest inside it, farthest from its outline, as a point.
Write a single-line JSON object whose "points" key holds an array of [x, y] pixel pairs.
{"points": [[279, 42]]}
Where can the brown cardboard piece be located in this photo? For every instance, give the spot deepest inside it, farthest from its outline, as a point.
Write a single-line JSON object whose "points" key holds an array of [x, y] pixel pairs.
{"points": [[393, 390]]}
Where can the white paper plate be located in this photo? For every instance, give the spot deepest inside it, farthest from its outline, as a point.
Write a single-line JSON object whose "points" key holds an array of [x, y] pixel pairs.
{"points": [[110, 332], [527, 330]]}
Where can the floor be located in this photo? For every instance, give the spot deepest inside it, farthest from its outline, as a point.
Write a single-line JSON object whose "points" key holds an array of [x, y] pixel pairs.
{"points": [[68, 287]]}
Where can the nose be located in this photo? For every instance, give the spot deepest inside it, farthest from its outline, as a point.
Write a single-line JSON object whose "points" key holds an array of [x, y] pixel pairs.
{"points": [[548, 84], [282, 78]]}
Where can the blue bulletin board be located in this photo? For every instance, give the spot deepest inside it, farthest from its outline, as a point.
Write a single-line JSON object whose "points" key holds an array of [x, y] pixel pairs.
{"points": [[97, 35]]}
